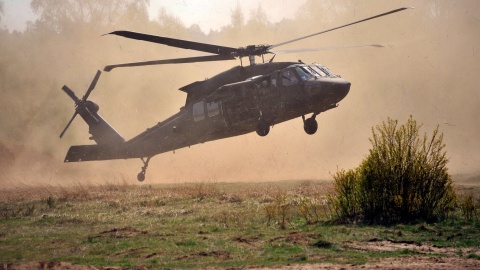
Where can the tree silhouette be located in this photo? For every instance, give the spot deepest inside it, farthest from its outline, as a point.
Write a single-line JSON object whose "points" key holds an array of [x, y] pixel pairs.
{"points": [[170, 24], [134, 17], [258, 21], [237, 18], [61, 15], [1, 10]]}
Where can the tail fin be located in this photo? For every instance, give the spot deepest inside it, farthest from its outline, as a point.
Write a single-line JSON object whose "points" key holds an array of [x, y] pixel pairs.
{"points": [[102, 133]]}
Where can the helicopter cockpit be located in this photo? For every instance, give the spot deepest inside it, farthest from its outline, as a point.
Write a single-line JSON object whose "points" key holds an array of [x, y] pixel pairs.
{"points": [[305, 73]]}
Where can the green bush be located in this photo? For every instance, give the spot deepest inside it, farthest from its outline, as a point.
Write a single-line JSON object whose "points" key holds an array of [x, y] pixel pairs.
{"points": [[345, 202], [468, 206], [404, 178]]}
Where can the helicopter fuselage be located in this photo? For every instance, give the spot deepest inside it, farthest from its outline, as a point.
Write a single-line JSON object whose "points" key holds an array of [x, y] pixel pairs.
{"points": [[235, 102], [240, 105]]}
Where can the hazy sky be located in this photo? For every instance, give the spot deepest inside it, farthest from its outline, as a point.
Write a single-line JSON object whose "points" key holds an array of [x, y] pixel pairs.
{"points": [[17, 13], [427, 69], [208, 15]]}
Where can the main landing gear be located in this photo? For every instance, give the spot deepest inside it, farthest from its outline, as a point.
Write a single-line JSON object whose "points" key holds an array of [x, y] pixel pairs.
{"points": [[310, 125], [141, 175]]}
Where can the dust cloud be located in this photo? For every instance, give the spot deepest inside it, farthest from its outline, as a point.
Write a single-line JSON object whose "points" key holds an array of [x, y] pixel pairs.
{"points": [[428, 68]]}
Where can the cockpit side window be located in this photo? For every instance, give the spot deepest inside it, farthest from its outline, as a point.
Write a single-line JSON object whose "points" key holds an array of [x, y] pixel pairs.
{"points": [[288, 77]]}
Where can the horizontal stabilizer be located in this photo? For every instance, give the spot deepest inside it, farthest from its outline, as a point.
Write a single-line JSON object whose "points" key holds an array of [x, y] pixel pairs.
{"points": [[79, 153]]}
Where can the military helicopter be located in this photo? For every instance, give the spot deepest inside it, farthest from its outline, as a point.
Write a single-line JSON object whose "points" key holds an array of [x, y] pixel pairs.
{"points": [[240, 100]]}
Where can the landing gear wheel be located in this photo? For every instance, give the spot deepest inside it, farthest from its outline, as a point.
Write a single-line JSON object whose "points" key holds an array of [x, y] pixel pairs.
{"points": [[262, 128], [141, 176], [310, 126]]}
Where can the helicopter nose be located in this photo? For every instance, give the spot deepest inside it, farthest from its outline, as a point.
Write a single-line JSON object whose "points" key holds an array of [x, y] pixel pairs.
{"points": [[342, 89]]}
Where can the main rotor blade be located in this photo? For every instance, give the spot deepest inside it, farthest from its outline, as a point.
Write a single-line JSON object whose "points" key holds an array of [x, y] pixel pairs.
{"points": [[342, 26], [92, 85], [178, 43], [69, 122], [173, 61], [70, 93], [326, 48]]}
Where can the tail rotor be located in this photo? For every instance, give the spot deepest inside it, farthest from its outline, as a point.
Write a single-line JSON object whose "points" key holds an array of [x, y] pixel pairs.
{"points": [[80, 104]]}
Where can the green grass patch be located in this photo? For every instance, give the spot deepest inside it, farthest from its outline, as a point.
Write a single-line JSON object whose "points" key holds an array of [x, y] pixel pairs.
{"points": [[209, 225]]}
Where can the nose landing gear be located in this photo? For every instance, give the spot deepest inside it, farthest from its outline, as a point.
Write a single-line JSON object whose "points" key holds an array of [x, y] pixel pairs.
{"points": [[310, 125]]}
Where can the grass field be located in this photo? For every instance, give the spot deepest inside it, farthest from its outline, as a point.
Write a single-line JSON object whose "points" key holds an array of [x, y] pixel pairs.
{"points": [[209, 225]]}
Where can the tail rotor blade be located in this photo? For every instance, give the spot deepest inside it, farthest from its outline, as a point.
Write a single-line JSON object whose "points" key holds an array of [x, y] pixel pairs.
{"points": [[92, 85], [70, 93], [65, 129]]}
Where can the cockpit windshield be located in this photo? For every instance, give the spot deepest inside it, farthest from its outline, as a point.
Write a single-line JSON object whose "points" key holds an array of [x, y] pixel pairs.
{"points": [[322, 71], [313, 71], [305, 73]]}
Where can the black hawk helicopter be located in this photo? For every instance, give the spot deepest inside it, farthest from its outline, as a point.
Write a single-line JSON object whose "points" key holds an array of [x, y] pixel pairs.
{"points": [[235, 102]]}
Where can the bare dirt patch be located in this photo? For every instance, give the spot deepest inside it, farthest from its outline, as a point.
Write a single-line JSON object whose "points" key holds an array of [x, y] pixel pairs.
{"points": [[302, 238], [407, 262], [377, 245]]}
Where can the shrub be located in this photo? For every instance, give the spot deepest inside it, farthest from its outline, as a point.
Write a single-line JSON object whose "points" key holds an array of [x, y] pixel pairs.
{"points": [[346, 188], [403, 178], [50, 202], [468, 206]]}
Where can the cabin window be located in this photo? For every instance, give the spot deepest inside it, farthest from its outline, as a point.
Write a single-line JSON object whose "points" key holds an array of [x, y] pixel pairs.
{"points": [[264, 88], [273, 79], [289, 77], [213, 108], [198, 111]]}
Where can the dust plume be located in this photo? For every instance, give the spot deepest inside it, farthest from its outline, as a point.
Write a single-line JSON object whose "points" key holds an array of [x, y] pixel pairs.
{"points": [[427, 68]]}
